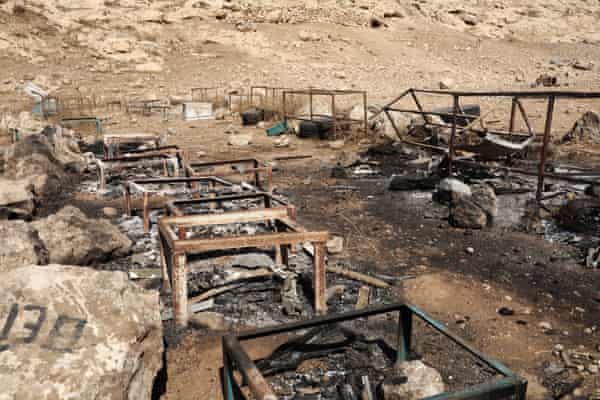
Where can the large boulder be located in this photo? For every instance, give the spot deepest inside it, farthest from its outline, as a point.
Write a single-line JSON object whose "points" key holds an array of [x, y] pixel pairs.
{"points": [[72, 238], [586, 129], [76, 333], [465, 213], [16, 199], [450, 189], [414, 380], [32, 159], [21, 245], [471, 207]]}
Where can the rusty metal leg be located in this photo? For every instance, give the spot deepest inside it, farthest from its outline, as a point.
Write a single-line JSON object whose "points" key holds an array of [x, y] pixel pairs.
{"points": [[404, 333], [283, 250], [164, 270], [547, 134], [513, 114], [180, 292], [455, 110], [366, 127], [128, 199], [319, 278], [146, 212], [227, 377]]}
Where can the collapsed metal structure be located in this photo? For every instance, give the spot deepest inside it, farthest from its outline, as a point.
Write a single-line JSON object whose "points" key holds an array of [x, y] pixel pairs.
{"points": [[235, 358], [517, 98]]}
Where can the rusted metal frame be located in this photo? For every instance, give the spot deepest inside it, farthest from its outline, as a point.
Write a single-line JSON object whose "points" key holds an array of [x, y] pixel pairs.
{"points": [[513, 115], [235, 355], [240, 96], [419, 106], [525, 118], [388, 105], [174, 206], [311, 92], [138, 184], [509, 386], [178, 247], [105, 165], [320, 92], [204, 93], [116, 140], [247, 241], [531, 94], [452, 134], [230, 217], [544, 150], [257, 168], [427, 113]]}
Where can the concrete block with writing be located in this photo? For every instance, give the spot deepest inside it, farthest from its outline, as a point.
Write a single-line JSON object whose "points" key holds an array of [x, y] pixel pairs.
{"points": [[77, 333]]}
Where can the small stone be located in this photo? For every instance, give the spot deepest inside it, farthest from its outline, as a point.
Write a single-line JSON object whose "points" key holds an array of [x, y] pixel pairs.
{"points": [[546, 326], [506, 311], [588, 331], [592, 369], [150, 67], [239, 140], [274, 16], [335, 245], [339, 75], [559, 347], [446, 83], [337, 144], [110, 212]]}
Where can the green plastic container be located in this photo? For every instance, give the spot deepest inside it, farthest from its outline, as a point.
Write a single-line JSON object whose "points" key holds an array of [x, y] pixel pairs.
{"points": [[277, 129]]}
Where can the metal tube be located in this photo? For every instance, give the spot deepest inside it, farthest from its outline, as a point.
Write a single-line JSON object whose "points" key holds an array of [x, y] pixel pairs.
{"points": [[513, 114], [180, 290], [525, 118], [419, 106], [256, 382], [365, 112], [452, 136], [547, 133], [404, 333], [319, 278]]}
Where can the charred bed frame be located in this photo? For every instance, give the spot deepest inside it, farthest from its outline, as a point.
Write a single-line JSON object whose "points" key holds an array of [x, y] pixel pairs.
{"points": [[229, 168], [456, 113], [160, 156], [235, 358], [212, 182], [174, 246]]}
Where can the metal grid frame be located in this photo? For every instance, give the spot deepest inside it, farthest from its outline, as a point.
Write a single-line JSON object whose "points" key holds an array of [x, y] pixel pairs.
{"points": [[286, 232], [236, 167], [160, 156], [138, 184], [117, 139], [516, 96], [312, 92], [174, 207], [235, 358]]}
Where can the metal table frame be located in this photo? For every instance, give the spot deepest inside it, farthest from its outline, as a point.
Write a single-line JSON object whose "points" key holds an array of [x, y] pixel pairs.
{"points": [[235, 358], [286, 232]]}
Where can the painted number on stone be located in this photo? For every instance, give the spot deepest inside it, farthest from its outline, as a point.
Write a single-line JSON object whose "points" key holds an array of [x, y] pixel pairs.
{"points": [[64, 334]]}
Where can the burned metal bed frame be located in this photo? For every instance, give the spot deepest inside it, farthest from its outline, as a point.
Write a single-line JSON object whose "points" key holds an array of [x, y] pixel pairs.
{"points": [[174, 207], [517, 105], [174, 246], [336, 121], [161, 156], [115, 139], [236, 167], [138, 184], [235, 358]]}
